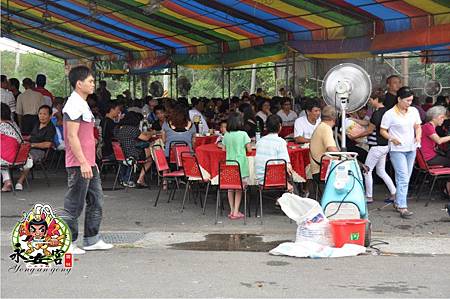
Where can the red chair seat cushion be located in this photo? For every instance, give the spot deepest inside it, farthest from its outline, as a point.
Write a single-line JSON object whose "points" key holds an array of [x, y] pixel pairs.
{"points": [[178, 173], [440, 171]]}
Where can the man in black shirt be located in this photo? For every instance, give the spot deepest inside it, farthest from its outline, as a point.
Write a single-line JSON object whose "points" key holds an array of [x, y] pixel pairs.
{"points": [[108, 124], [393, 85], [41, 139]]}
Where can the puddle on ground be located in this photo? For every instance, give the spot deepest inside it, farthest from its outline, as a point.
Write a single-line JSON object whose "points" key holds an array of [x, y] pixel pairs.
{"points": [[230, 242]]}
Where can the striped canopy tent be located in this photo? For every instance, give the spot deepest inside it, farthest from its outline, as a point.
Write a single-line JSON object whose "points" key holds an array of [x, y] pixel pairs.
{"points": [[145, 34]]}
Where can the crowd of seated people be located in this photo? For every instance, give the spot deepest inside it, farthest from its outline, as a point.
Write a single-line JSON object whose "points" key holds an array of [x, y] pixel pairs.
{"points": [[122, 118]]}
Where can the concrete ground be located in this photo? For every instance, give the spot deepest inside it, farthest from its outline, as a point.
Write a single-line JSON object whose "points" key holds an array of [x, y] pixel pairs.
{"points": [[161, 252]]}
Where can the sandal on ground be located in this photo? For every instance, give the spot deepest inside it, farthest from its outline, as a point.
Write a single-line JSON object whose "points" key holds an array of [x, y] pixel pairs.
{"points": [[232, 217], [7, 188], [405, 214], [141, 185], [240, 215]]}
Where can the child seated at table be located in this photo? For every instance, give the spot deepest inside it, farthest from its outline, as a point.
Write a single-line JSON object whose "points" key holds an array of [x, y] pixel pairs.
{"points": [[270, 147], [222, 130], [237, 143]]}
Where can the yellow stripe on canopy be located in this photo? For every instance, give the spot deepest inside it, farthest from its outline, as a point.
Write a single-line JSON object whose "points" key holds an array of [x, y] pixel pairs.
{"points": [[442, 12], [143, 25], [243, 40], [62, 23], [304, 14]]}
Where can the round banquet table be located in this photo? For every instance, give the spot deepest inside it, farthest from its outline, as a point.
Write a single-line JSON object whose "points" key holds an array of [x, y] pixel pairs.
{"points": [[209, 155]]}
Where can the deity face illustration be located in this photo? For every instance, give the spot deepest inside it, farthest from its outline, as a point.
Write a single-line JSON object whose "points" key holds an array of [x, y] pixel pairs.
{"points": [[38, 230]]}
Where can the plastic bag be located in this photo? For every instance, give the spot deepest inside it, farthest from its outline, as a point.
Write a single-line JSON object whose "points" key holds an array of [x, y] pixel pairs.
{"points": [[315, 232], [313, 226], [298, 208]]}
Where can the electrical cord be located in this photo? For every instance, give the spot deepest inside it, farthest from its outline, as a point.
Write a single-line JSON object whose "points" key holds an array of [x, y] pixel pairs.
{"points": [[374, 243]]}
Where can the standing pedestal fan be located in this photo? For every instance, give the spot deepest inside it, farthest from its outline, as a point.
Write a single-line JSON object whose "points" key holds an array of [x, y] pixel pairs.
{"points": [[347, 87]]}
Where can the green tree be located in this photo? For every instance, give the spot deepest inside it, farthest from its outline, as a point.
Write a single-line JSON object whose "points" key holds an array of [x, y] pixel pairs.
{"points": [[20, 66]]}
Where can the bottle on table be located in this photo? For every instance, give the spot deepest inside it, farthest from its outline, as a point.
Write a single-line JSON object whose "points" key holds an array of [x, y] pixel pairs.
{"points": [[257, 132], [145, 126]]}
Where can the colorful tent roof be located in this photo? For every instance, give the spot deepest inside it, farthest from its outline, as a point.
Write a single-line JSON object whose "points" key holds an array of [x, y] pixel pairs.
{"points": [[209, 33]]}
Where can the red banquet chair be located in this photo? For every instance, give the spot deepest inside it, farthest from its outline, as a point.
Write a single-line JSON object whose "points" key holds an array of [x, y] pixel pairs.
{"points": [[120, 158], [20, 160], [193, 174], [275, 179], [324, 163], [435, 173], [164, 172], [179, 150], [230, 179], [172, 153]]}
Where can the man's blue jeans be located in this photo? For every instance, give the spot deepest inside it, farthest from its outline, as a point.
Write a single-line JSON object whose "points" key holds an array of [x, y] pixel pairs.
{"points": [[403, 163], [80, 191]]}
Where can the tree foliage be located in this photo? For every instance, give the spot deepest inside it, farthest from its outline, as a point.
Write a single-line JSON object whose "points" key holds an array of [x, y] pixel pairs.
{"points": [[30, 64], [206, 83]]}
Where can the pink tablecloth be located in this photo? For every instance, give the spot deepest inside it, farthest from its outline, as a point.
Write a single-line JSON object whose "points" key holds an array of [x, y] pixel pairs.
{"points": [[209, 156]]}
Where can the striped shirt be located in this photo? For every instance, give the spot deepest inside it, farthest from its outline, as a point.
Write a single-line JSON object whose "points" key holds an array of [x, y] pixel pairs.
{"points": [[269, 147]]}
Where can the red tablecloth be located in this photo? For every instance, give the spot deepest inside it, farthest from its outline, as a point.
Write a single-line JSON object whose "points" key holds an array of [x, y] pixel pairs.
{"points": [[285, 131], [209, 155], [201, 140]]}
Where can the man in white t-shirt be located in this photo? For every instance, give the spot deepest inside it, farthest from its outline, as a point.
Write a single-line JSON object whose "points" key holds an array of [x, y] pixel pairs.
{"points": [[305, 125], [401, 127], [287, 115], [197, 109]]}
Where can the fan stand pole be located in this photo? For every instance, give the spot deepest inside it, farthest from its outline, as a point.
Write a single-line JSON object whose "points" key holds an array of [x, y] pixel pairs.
{"points": [[343, 124]]}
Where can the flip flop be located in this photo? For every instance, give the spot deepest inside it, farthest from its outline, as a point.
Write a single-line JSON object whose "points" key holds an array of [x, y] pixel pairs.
{"points": [[240, 215], [232, 217]]}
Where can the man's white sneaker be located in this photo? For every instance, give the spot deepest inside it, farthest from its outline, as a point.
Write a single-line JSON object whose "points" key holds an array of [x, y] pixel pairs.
{"points": [[19, 187], [100, 245], [74, 249]]}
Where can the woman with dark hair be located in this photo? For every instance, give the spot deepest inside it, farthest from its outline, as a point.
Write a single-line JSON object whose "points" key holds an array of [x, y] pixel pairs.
{"points": [[10, 140], [178, 127], [263, 113], [130, 137], [249, 119], [401, 127], [441, 101]]}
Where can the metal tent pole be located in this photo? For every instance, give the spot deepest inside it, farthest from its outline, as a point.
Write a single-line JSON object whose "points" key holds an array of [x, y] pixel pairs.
{"points": [[229, 83], [176, 81], [171, 82], [286, 83], [293, 81]]}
